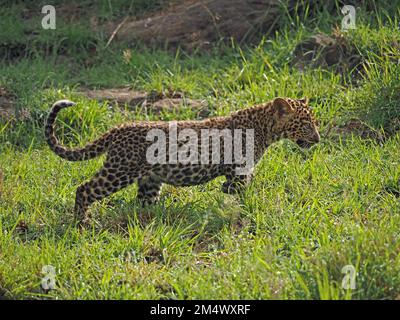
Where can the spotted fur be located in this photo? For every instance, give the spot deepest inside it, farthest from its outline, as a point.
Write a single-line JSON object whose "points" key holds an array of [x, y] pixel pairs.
{"points": [[126, 147]]}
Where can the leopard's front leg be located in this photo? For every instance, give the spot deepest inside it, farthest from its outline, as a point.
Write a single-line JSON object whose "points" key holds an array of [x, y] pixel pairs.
{"points": [[148, 190], [236, 183]]}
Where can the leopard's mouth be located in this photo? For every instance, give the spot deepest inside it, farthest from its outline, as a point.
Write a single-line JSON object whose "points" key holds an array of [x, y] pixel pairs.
{"points": [[303, 144]]}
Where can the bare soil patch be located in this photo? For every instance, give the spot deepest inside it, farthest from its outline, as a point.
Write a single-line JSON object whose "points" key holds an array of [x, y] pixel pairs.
{"points": [[1, 182], [154, 101], [7, 105]]}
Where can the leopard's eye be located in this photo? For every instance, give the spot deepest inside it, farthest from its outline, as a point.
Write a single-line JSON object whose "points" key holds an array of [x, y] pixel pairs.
{"points": [[309, 128]]}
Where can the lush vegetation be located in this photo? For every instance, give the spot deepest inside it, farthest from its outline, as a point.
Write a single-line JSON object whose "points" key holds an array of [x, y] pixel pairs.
{"points": [[306, 216]]}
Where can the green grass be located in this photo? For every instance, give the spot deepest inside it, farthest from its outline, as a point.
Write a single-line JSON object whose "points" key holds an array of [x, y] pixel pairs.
{"points": [[306, 216]]}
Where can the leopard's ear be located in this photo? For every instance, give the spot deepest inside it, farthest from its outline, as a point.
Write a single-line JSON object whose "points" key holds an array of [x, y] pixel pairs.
{"points": [[282, 106], [304, 100]]}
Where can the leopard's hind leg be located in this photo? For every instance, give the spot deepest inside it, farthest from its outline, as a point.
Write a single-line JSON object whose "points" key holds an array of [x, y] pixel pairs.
{"points": [[107, 181]]}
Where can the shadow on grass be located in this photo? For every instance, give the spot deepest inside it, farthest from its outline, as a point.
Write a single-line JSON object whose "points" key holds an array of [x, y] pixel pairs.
{"points": [[3, 294], [197, 222], [211, 216]]}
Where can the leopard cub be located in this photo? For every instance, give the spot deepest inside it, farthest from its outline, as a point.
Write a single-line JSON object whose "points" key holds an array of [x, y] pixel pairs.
{"points": [[127, 147]]}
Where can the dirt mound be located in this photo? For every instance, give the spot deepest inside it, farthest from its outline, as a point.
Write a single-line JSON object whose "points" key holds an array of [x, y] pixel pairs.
{"points": [[7, 105], [334, 51], [154, 101], [356, 127], [197, 24]]}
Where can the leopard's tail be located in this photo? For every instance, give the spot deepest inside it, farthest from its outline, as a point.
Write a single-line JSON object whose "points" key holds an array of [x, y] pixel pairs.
{"points": [[87, 152]]}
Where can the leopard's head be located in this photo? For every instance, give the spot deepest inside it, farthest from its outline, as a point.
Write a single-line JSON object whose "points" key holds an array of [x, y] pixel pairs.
{"points": [[296, 121]]}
